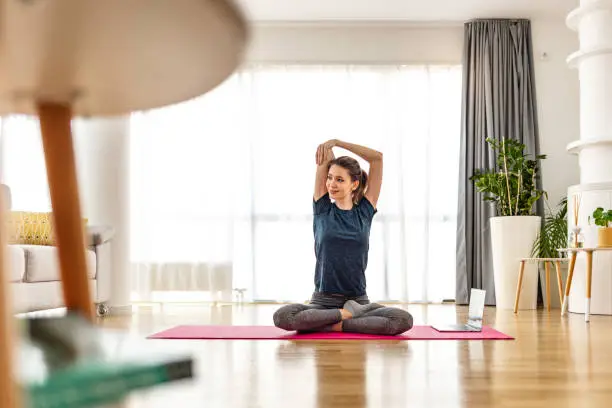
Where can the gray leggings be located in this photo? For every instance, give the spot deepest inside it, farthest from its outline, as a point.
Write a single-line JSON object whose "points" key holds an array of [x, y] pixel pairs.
{"points": [[323, 311]]}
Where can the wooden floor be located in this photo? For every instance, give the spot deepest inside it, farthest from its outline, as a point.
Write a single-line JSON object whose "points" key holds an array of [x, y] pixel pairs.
{"points": [[554, 362]]}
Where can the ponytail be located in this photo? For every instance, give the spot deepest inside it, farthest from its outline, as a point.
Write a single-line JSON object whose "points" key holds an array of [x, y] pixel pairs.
{"points": [[361, 188]]}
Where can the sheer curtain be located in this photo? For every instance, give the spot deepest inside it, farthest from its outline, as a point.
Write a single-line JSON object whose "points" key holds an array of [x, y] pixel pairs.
{"points": [[222, 185]]}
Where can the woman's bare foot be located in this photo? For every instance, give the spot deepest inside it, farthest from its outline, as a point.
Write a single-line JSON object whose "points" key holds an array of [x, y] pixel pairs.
{"points": [[346, 314], [337, 327]]}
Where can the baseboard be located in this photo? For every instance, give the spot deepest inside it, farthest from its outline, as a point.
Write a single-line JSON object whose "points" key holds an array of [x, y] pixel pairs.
{"points": [[120, 310]]}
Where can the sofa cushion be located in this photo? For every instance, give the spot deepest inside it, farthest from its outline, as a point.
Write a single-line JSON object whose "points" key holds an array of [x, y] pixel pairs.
{"points": [[16, 263], [32, 228], [42, 263]]}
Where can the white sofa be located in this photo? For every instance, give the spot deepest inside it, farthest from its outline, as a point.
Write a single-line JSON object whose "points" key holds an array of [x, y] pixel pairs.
{"points": [[34, 271]]}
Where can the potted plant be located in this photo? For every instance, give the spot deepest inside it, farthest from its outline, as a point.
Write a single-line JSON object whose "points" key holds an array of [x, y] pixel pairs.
{"points": [[511, 187], [603, 219], [552, 236]]}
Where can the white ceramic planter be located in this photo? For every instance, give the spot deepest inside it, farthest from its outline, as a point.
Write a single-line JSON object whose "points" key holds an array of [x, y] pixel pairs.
{"points": [[512, 239]]}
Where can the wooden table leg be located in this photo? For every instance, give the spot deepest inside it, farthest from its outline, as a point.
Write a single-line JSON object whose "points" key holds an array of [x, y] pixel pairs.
{"points": [[568, 284], [559, 281], [9, 396], [547, 267], [589, 274], [518, 286], [55, 126]]}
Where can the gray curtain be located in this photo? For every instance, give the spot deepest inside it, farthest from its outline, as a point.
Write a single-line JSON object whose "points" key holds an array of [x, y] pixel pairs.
{"points": [[498, 101]]}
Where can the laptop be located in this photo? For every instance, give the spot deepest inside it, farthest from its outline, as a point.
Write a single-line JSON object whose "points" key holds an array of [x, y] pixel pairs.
{"points": [[475, 315]]}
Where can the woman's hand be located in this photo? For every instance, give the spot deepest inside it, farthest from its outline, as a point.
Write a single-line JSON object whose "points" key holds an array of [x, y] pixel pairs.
{"points": [[331, 143], [324, 151]]}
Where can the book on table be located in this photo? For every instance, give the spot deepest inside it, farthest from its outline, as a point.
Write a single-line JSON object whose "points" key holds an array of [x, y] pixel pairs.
{"points": [[66, 362]]}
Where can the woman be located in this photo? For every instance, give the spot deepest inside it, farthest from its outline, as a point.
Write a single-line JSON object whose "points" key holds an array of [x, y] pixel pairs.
{"points": [[344, 205]]}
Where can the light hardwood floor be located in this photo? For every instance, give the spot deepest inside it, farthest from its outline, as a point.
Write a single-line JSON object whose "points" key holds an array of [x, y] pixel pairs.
{"points": [[554, 362]]}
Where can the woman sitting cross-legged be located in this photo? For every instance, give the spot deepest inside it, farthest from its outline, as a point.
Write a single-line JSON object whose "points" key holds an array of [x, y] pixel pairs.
{"points": [[342, 234]]}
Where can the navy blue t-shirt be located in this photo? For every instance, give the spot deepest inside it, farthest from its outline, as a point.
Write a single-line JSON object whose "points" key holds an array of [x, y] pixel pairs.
{"points": [[342, 242]]}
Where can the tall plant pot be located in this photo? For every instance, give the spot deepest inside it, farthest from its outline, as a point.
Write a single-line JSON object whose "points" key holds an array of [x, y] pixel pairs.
{"points": [[512, 239]]}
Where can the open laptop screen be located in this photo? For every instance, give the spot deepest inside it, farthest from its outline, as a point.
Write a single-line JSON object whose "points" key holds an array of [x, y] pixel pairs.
{"points": [[476, 308]]}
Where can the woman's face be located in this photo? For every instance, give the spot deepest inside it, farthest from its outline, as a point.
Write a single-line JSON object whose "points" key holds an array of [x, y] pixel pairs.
{"points": [[339, 184]]}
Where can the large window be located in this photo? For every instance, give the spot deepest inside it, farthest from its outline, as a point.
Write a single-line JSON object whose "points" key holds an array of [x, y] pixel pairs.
{"points": [[227, 179], [23, 163]]}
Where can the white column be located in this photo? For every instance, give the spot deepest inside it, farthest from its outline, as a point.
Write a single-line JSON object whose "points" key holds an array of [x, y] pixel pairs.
{"points": [[592, 20], [102, 147]]}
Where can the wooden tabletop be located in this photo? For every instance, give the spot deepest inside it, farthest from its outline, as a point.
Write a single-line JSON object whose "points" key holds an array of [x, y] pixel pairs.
{"points": [[585, 249], [545, 259]]}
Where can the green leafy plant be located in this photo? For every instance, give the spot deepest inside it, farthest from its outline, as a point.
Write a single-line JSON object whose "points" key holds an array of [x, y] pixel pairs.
{"points": [[553, 234], [602, 217], [512, 184]]}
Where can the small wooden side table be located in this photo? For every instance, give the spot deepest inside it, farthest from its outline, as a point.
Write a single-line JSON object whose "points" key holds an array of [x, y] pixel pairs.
{"points": [[547, 262], [589, 273]]}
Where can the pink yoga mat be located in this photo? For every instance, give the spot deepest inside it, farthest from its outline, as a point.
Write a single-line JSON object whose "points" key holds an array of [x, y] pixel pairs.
{"points": [[274, 333]]}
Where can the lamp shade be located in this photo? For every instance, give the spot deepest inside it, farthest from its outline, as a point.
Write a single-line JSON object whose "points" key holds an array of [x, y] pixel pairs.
{"points": [[113, 57]]}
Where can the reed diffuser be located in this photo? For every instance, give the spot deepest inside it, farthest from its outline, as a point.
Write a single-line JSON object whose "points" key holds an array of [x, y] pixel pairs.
{"points": [[576, 238]]}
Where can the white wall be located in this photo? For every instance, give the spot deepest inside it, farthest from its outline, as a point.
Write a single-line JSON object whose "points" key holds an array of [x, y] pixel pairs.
{"points": [[557, 88], [556, 84], [363, 43]]}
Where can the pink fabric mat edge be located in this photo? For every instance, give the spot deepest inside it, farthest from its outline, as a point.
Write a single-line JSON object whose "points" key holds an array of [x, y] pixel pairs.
{"points": [[213, 332]]}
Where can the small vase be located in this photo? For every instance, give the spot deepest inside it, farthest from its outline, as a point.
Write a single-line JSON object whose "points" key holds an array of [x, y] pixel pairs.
{"points": [[576, 238]]}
